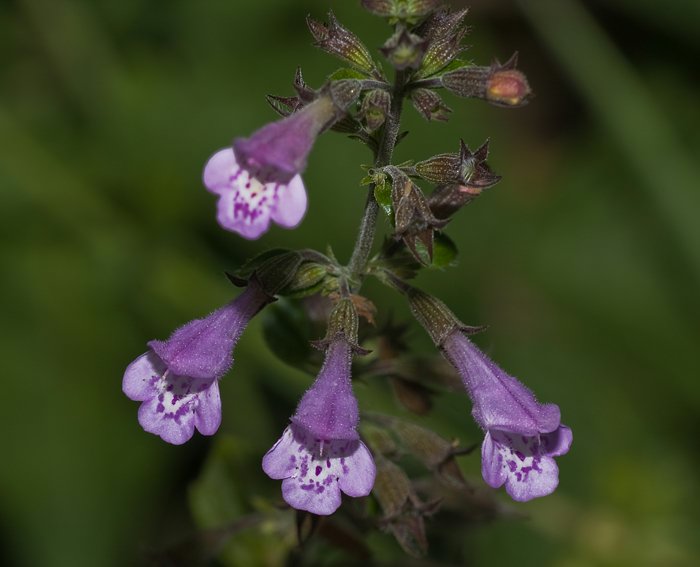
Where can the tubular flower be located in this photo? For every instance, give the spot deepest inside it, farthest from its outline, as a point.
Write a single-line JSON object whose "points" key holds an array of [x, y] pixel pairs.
{"points": [[177, 379], [258, 179], [522, 435], [320, 454]]}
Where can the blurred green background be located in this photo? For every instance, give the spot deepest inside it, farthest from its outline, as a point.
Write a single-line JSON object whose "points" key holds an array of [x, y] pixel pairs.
{"points": [[584, 261]]}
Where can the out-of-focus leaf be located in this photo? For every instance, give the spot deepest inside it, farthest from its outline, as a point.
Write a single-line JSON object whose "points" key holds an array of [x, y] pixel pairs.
{"points": [[286, 330], [414, 397]]}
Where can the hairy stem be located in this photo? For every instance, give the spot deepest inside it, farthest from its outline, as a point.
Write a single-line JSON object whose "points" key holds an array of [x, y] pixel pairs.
{"points": [[368, 225]]}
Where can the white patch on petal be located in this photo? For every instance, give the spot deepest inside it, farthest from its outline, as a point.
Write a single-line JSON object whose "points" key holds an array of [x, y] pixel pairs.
{"points": [[315, 471], [529, 472], [171, 412], [246, 206]]}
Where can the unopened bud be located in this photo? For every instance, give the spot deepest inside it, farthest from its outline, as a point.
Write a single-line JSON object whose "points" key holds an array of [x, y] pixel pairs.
{"points": [[413, 219], [499, 84], [444, 32], [508, 88], [429, 104], [401, 10], [404, 50], [375, 108], [333, 38]]}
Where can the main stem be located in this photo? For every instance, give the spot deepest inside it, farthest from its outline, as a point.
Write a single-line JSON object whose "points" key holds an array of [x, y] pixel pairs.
{"points": [[368, 225]]}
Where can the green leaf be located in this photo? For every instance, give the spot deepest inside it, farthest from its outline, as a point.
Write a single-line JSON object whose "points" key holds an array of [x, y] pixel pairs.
{"points": [[382, 193], [240, 275], [346, 73], [444, 251], [288, 332]]}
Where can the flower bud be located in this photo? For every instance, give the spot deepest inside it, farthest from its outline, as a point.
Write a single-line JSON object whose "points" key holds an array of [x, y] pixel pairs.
{"points": [[443, 32], [413, 220], [375, 108], [429, 104], [508, 88], [500, 85], [341, 42], [404, 50], [396, 10]]}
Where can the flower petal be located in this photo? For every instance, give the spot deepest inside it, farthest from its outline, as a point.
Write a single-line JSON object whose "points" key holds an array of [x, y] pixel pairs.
{"points": [[171, 413], [306, 496], [154, 420], [359, 472], [219, 170], [141, 375], [492, 468], [281, 461], [535, 484], [291, 204], [207, 417], [315, 471], [236, 215], [558, 442], [529, 472]]}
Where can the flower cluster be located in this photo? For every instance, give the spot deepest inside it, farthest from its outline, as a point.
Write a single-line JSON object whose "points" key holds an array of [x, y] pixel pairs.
{"points": [[325, 451]]}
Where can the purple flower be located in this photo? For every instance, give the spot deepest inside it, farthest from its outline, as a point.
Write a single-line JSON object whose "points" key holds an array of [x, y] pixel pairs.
{"points": [[320, 454], [258, 179], [178, 380], [522, 435]]}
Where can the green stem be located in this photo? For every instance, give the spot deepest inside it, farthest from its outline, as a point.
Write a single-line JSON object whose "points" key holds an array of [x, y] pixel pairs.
{"points": [[368, 225]]}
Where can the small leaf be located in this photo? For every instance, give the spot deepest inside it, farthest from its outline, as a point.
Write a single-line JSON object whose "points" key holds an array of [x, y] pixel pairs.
{"points": [[444, 251], [382, 193], [346, 73]]}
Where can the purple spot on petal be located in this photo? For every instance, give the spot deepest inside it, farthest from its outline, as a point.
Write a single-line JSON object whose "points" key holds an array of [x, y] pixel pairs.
{"points": [[318, 470]]}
